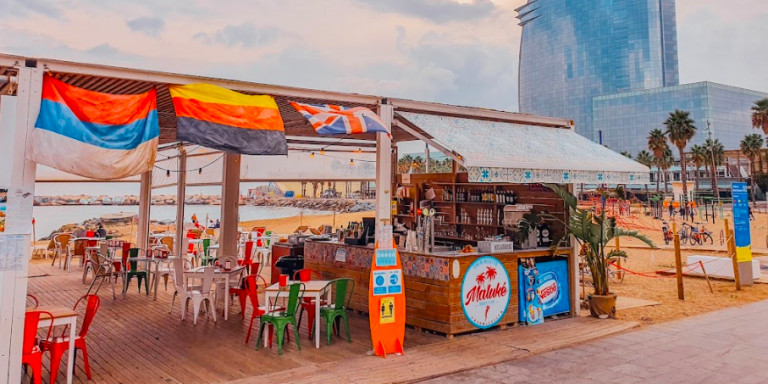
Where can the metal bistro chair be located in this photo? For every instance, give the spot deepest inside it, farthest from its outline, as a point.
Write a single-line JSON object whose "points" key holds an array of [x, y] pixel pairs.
{"points": [[61, 248], [342, 289], [104, 268], [202, 295], [280, 318], [31, 353]]}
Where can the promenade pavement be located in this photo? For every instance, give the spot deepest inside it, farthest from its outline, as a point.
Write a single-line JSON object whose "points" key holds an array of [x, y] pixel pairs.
{"points": [[727, 346]]}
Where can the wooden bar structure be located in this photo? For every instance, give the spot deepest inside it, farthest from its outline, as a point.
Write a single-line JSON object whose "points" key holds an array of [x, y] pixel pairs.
{"points": [[432, 281]]}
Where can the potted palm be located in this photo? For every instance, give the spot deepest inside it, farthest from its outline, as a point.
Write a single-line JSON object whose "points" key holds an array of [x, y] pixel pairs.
{"points": [[526, 230], [593, 234]]}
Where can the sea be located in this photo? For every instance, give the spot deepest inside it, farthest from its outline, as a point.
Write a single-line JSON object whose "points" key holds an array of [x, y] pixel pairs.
{"points": [[51, 218]]}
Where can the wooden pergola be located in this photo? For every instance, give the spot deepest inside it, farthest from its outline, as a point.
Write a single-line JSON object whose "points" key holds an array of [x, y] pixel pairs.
{"points": [[20, 87]]}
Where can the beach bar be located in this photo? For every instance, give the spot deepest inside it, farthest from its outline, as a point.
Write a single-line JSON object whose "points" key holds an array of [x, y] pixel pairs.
{"points": [[494, 154]]}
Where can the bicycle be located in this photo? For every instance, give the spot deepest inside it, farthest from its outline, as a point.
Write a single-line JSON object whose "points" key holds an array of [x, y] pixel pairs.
{"points": [[684, 233], [666, 232], [699, 235]]}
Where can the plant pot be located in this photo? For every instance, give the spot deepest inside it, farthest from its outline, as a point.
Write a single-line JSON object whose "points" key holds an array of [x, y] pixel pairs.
{"points": [[600, 305]]}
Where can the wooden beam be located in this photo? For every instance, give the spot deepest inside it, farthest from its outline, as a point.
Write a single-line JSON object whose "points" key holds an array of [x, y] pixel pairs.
{"points": [[145, 202], [384, 168]]}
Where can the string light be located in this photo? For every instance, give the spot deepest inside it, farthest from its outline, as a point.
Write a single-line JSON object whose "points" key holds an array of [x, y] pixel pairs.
{"points": [[200, 171], [359, 150], [167, 173], [351, 161], [312, 155], [322, 151]]}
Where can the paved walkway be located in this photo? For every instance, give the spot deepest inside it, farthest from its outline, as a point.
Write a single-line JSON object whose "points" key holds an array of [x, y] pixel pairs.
{"points": [[727, 346]]}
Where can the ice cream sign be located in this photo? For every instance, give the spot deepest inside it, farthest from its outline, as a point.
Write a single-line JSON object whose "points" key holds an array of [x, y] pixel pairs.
{"points": [[485, 292], [548, 290]]}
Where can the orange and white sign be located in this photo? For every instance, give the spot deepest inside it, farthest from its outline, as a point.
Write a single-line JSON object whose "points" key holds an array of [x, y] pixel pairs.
{"points": [[386, 302]]}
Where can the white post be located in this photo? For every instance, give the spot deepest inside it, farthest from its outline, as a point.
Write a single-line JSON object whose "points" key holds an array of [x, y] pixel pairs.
{"points": [[17, 119], [145, 201], [384, 168], [576, 283], [181, 196], [230, 204]]}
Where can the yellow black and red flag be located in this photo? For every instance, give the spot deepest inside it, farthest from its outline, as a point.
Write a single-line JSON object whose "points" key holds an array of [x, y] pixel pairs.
{"points": [[222, 119]]}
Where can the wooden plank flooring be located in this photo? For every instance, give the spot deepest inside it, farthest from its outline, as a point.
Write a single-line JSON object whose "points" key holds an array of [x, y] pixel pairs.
{"points": [[136, 340]]}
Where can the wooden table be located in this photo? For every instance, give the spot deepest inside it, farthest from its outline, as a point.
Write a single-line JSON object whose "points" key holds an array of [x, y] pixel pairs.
{"points": [[220, 274], [312, 288], [61, 316]]}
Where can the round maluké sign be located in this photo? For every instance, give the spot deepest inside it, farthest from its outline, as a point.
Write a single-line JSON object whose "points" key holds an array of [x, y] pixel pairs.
{"points": [[485, 292]]}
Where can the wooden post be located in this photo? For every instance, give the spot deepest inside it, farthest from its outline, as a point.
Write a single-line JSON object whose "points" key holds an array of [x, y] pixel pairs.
{"points": [[678, 264], [704, 271], [732, 253], [145, 201], [230, 205], [17, 118], [181, 197]]}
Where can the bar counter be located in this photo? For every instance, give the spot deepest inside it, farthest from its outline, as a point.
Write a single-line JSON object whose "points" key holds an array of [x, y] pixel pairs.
{"points": [[433, 281]]}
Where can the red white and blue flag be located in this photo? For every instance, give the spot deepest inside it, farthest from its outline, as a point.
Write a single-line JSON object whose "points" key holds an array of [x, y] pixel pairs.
{"points": [[337, 120], [93, 134]]}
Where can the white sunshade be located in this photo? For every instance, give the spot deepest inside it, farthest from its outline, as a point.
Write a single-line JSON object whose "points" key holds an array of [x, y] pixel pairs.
{"points": [[503, 152]]}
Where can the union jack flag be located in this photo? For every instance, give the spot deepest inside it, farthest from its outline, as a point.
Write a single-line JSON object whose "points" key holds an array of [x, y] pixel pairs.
{"points": [[337, 120]]}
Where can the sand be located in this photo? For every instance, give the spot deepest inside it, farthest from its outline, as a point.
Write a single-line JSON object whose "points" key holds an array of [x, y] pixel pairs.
{"points": [[698, 298]]}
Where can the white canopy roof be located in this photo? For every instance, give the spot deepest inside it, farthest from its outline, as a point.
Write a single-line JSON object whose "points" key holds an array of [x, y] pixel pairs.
{"points": [[503, 152]]}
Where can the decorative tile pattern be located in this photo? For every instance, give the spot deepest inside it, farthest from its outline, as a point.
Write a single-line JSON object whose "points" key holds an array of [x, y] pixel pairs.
{"points": [[428, 267], [504, 152]]}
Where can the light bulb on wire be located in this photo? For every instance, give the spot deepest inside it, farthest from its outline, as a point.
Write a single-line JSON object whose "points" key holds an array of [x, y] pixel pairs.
{"points": [[200, 171], [311, 154], [167, 173], [322, 151], [351, 161]]}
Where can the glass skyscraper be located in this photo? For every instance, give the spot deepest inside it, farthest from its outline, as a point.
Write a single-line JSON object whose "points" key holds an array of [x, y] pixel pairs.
{"points": [[624, 119], [575, 50]]}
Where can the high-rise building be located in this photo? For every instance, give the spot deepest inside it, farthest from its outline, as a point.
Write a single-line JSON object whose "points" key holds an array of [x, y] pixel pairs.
{"points": [[575, 50]]}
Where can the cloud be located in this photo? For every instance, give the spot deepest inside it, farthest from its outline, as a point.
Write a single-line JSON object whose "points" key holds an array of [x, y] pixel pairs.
{"points": [[150, 26], [438, 11], [28, 7], [246, 35]]}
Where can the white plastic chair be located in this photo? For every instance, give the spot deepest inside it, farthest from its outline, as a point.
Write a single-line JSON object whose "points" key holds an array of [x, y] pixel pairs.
{"points": [[203, 294]]}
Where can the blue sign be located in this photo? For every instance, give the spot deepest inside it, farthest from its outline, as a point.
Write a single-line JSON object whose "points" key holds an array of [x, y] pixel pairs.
{"points": [[741, 221], [551, 290], [387, 282], [386, 257]]}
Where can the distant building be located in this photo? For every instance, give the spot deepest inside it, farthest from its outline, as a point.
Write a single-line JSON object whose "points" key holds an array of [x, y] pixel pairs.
{"points": [[624, 119], [574, 50], [612, 68]]}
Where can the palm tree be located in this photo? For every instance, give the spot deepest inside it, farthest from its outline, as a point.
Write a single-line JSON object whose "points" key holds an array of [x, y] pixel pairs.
{"points": [[645, 158], [760, 121], [657, 142], [760, 115], [751, 146], [666, 162], [699, 158], [715, 157], [626, 154], [680, 130]]}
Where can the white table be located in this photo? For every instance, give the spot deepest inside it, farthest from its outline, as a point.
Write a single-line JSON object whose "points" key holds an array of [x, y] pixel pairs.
{"points": [[312, 288], [62, 316], [220, 274]]}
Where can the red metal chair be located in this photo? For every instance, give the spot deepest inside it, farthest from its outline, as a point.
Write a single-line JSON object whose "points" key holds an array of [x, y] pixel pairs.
{"points": [[31, 353], [58, 345], [31, 299], [247, 257], [241, 291], [308, 304], [251, 289]]}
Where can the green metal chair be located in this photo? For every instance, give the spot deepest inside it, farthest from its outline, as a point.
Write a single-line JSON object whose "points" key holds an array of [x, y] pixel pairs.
{"points": [[206, 259], [342, 289], [134, 271], [281, 318]]}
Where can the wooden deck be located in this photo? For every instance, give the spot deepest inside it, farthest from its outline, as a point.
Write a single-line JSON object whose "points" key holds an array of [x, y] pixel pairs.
{"points": [[136, 340]]}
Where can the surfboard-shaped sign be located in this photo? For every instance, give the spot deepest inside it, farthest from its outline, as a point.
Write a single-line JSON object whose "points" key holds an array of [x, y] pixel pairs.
{"points": [[386, 302]]}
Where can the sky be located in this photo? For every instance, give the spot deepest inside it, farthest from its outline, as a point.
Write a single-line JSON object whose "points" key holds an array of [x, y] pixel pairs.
{"points": [[461, 52]]}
